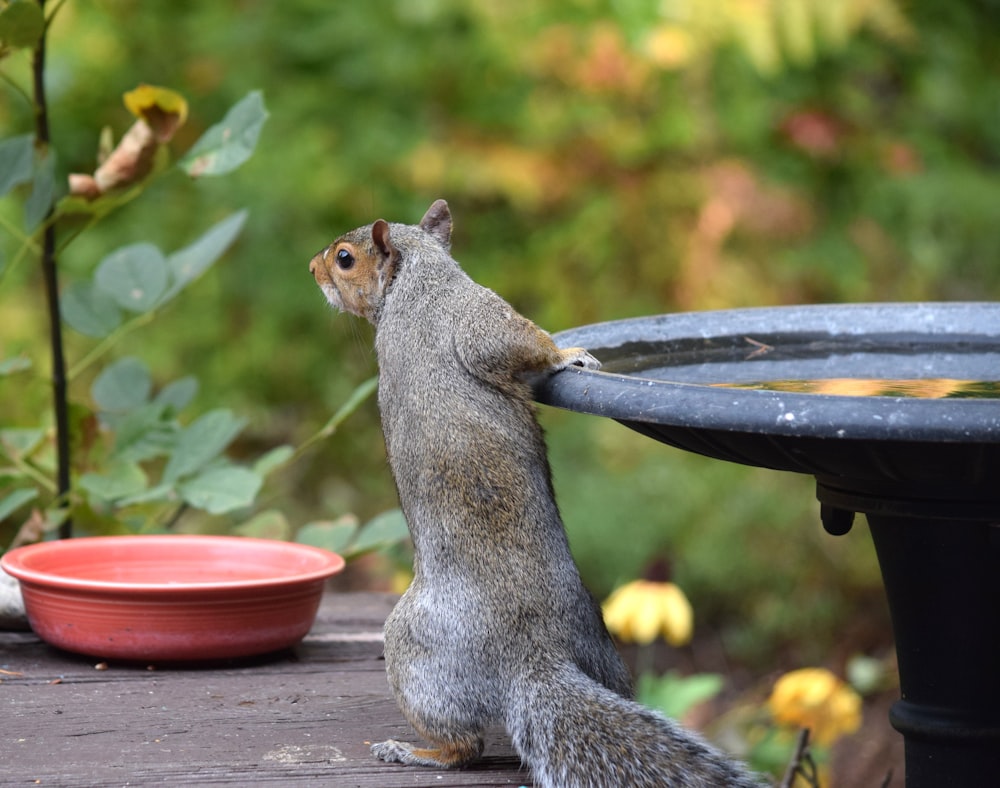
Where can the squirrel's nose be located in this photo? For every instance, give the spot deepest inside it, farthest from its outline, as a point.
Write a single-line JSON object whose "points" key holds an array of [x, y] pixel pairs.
{"points": [[312, 266]]}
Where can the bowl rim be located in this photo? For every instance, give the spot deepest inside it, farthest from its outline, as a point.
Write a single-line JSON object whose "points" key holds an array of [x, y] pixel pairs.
{"points": [[14, 562]]}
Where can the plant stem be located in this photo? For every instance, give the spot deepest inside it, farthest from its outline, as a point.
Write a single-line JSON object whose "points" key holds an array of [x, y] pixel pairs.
{"points": [[28, 469], [800, 756], [27, 246], [49, 273], [108, 342], [358, 396]]}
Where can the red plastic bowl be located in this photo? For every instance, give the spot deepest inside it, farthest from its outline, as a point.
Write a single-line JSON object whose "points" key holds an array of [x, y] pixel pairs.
{"points": [[171, 598]]}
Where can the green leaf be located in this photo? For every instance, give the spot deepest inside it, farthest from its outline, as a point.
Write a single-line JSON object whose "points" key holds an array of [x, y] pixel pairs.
{"points": [[334, 536], [122, 386], [43, 191], [674, 694], [17, 160], [16, 364], [98, 521], [221, 490], [192, 261], [21, 24], [142, 433], [158, 494], [11, 503], [178, 394], [226, 145], [21, 442], [121, 479], [270, 524], [386, 529], [55, 517], [134, 276], [201, 442], [88, 309], [273, 459]]}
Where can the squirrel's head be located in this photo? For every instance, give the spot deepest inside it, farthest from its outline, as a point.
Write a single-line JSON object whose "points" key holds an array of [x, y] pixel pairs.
{"points": [[356, 270]]}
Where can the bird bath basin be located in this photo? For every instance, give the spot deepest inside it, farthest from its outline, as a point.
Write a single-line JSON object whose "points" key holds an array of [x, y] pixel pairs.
{"points": [[895, 410]]}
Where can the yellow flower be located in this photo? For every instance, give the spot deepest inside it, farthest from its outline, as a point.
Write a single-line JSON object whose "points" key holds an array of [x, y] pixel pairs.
{"points": [[400, 580], [163, 110], [670, 46], [641, 610], [816, 699]]}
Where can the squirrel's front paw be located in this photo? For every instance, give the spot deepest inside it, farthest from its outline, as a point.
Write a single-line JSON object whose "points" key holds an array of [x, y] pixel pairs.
{"points": [[579, 357]]}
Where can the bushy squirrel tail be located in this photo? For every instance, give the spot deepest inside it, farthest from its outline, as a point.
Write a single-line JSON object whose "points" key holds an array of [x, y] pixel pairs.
{"points": [[575, 733]]}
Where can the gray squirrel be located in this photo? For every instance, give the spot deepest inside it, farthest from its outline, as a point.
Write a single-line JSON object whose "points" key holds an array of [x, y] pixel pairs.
{"points": [[496, 626]]}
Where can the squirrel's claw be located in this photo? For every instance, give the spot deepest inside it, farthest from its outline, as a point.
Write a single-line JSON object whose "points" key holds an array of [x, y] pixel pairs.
{"points": [[578, 357], [392, 751], [447, 757]]}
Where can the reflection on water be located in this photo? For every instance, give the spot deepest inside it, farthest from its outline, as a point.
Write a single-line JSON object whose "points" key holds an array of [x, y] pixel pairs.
{"points": [[903, 365], [928, 388]]}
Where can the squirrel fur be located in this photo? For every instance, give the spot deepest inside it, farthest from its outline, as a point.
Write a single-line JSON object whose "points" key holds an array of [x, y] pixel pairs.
{"points": [[496, 626]]}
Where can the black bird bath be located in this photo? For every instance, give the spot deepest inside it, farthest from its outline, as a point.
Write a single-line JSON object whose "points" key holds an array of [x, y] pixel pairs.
{"points": [[911, 438]]}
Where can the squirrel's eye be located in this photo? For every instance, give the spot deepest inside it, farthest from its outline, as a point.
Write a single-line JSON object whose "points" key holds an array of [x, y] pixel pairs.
{"points": [[345, 260]]}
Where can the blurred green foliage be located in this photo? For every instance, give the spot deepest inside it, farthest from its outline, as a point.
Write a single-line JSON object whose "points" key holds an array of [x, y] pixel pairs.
{"points": [[124, 462], [603, 160]]}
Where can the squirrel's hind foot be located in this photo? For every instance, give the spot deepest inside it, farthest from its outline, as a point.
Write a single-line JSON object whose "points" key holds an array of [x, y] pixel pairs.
{"points": [[449, 756]]}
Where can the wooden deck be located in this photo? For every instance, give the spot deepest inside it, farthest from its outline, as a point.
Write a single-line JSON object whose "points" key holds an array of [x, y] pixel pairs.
{"points": [[306, 716]]}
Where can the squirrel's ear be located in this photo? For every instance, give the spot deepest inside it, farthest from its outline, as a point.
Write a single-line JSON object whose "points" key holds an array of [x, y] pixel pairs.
{"points": [[388, 254], [380, 237], [437, 222]]}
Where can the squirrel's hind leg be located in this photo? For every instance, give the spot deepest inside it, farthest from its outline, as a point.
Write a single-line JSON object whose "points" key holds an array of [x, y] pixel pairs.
{"points": [[449, 755]]}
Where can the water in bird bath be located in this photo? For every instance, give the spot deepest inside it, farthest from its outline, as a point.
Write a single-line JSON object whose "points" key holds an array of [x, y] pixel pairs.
{"points": [[884, 365], [924, 388]]}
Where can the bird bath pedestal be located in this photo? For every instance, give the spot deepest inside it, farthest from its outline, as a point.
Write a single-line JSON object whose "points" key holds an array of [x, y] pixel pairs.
{"points": [[895, 410]]}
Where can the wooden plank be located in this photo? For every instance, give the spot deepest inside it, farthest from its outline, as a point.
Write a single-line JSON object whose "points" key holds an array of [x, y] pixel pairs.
{"points": [[305, 716]]}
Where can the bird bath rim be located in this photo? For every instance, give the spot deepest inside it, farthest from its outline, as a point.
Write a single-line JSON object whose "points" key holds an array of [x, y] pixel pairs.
{"points": [[692, 403]]}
